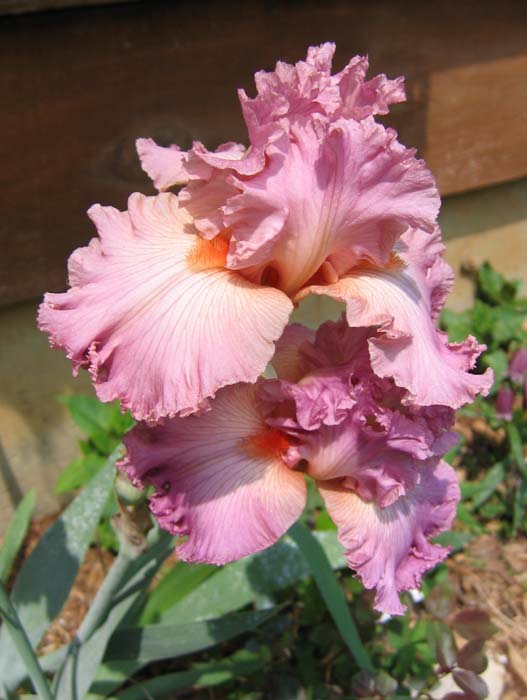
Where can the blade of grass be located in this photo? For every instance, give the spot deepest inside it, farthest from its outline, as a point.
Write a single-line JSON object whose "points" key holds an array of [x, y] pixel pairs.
{"points": [[331, 592], [23, 646], [16, 534]]}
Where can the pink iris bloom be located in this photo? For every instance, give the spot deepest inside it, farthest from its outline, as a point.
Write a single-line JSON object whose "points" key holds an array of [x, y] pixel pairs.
{"points": [[183, 294], [232, 480], [182, 301]]}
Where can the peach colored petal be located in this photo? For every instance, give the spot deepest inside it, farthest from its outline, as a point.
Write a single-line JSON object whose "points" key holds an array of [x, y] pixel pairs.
{"points": [[156, 317]]}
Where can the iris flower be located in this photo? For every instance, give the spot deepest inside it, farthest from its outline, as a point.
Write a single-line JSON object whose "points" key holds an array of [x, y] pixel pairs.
{"points": [[182, 301], [233, 478], [185, 293]]}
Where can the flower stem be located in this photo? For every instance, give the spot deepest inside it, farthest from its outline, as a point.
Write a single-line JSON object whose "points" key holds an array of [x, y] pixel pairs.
{"points": [[23, 646]]}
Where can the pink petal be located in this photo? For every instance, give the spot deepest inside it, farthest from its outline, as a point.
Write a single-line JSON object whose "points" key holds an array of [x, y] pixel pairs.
{"points": [[408, 347], [424, 251], [388, 547], [288, 361], [164, 166], [361, 457], [339, 194], [219, 478], [155, 316], [204, 200], [291, 94]]}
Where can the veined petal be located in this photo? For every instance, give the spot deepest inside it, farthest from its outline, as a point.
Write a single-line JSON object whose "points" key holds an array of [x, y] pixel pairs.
{"points": [[219, 478], [292, 93], [329, 196], [288, 361], [408, 347], [156, 317], [388, 547]]}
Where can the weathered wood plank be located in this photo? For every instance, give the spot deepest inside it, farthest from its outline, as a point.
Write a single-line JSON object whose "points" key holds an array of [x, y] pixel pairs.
{"points": [[77, 86]]}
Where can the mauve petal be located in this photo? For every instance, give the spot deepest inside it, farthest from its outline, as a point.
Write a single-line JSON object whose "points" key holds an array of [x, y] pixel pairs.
{"points": [[289, 362], [505, 403], [318, 399], [388, 547], [155, 317], [518, 366], [219, 478], [343, 193], [363, 458], [408, 347]]}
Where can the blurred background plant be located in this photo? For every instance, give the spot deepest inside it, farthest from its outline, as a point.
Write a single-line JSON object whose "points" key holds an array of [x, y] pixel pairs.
{"points": [[291, 622]]}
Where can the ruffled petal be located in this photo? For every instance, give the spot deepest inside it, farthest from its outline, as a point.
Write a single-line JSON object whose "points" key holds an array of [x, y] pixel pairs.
{"points": [[219, 478], [322, 399], [424, 251], [360, 456], [204, 201], [327, 199], [292, 93], [388, 547], [156, 317], [164, 166], [408, 347]]}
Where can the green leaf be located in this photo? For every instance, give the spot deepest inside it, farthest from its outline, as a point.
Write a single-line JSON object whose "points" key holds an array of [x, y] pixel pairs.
{"points": [[23, 646], [242, 663], [79, 472], [457, 325], [516, 448], [242, 582], [520, 506], [492, 286], [455, 539], [93, 418], [156, 642], [16, 534], [331, 591], [499, 362], [495, 288], [45, 579], [177, 583], [490, 482], [126, 582], [508, 324]]}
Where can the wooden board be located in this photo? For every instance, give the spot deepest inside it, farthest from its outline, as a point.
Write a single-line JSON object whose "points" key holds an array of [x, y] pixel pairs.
{"points": [[77, 86]]}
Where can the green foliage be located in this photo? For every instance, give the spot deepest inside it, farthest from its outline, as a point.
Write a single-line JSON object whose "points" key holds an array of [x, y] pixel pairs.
{"points": [[15, 535], [495, 489], [104, 426]]}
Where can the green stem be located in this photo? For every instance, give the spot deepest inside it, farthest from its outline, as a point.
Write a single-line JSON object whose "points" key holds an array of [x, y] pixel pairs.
{"points": [[103, 600], [331, 592], [23, 646]]}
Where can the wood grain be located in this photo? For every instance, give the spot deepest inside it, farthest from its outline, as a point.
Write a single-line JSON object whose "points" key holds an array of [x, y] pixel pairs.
{"points": [[77, 86]]}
